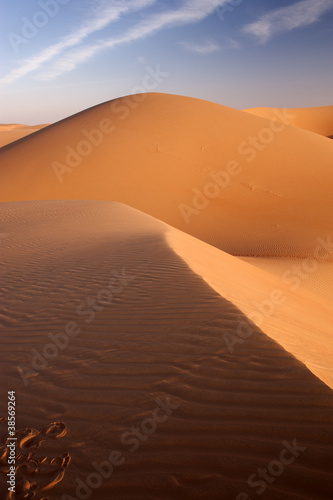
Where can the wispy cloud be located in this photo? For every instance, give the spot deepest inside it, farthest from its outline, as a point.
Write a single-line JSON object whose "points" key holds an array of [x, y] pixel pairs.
{"points": [[210, 46], [285, 19], [203, 48], [191, 11], [230, 43], [100, 18]]}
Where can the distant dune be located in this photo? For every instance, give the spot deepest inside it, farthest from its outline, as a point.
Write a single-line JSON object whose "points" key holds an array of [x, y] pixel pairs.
{"points": [[318, 120], [248, 185], [14, 132], [161, 368]]}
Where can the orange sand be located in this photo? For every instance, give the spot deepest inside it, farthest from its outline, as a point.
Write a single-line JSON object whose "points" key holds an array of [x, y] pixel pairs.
{"points": [[14, 132], [318, 120], [159, 154], [166, 304], [162, 335]]}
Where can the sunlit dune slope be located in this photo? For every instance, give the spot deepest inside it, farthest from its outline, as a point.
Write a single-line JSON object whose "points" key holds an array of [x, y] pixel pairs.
{"points": [[310, 274], [318, 120], [248, 185], [14, 132], [151, 314]]}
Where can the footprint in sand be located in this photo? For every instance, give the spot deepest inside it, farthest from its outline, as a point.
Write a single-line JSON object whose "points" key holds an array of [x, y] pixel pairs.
{"points": [[32, 439], [35, 472]]}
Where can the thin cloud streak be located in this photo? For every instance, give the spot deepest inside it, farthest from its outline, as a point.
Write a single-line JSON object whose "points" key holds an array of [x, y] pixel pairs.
{"points": [[203, 48], [101, 18], [192, 11], [285, 19], [210, 46]]}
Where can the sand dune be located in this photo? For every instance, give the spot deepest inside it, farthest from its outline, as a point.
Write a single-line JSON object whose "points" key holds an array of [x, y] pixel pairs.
{"points": [[175, 344], [318, 120], [14, 132], [247, 185], [152, 308]]}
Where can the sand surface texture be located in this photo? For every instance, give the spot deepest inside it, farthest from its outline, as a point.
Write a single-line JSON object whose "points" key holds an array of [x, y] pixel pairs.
{"points": [[148, 331]]}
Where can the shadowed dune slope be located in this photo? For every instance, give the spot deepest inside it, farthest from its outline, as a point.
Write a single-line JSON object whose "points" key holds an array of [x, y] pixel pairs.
{"points": [[161, 334], [14, 132], [248, 185], [318, 120]]}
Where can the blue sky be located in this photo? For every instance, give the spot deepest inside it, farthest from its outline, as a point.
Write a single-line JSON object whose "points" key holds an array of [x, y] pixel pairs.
{"points": [[61, 56]]}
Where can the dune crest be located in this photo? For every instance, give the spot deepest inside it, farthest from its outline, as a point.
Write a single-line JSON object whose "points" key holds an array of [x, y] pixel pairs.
{"points": [[268, 301]]}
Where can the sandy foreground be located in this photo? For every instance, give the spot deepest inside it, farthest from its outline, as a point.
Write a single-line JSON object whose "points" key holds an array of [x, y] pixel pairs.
{"points": [[14, 132], [158, 332], [156, 356]]}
